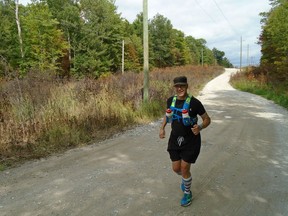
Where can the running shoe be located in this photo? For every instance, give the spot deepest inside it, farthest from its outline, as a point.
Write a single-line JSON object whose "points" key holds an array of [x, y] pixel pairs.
{"points": [[186, 200]]}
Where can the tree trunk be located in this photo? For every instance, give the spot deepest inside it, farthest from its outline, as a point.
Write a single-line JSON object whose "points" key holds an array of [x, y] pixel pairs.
{"points": [[19, 28]]}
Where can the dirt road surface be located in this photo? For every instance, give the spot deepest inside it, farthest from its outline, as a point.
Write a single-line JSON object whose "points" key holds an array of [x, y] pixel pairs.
{"points": [[242, 169]]}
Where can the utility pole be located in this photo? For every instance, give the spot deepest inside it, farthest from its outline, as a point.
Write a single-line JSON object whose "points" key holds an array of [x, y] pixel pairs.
{"points": [[146, 52], [248, 63], [240, 53]]}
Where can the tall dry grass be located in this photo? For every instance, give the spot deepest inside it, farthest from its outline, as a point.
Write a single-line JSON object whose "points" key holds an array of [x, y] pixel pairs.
{"points": [[40, 115]]}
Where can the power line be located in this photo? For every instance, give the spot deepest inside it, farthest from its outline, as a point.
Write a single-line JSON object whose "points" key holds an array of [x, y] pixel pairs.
{"points": [[205, 11], [231, 26]]}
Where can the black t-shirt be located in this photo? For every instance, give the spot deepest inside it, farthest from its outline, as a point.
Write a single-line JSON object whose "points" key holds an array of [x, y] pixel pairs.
{"points": [[196, 108]]}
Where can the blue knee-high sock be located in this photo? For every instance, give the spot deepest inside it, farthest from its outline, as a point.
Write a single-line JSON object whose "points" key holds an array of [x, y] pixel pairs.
{"points": [[187, 183]]}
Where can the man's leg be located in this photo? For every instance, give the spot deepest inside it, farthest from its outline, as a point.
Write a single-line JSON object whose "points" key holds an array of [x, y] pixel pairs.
{"points": [[186, 175], [185, 169], [186, 181], [176, 166]]}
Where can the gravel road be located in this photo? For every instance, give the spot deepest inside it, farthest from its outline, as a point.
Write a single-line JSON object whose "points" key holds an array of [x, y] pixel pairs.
{"points": [[242, 169]]}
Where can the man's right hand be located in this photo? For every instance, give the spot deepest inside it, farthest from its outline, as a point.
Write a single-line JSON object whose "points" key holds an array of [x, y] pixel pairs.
{"points": [[162, 133]]}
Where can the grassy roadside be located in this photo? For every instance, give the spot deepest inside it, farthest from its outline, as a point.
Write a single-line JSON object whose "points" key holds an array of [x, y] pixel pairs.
{"points": [[40, 116], [257, 84]]}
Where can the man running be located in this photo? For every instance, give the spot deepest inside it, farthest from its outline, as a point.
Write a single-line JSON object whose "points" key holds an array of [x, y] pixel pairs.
{"points": [[185, 140]]}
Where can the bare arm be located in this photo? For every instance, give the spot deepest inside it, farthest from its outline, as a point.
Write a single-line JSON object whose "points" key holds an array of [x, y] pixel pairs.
{"points": [[206, 122], [162, 128]]}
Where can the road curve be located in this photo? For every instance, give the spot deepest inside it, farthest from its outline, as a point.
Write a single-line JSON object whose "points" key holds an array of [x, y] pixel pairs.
{"points": [[242, 168]]}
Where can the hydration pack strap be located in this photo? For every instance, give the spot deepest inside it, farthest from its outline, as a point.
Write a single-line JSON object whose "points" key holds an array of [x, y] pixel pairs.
{"points": [[177, 112], [186, 104]]}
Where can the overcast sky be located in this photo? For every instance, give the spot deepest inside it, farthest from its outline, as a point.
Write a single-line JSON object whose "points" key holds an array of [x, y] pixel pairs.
{"points": [[220, 22]]}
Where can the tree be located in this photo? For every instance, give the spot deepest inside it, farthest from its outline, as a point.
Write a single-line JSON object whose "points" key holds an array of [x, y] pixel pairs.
{"points": [[138, 25], [219, 55], [67, 13], [273, 40], [208, 58], [206, 55], [221, 59], [87, 37], [9, 43], [133, 48], [226, 63], [99, 48], [195, 51], [181, 53], [43, 43], [161, 35], [19, 27]]}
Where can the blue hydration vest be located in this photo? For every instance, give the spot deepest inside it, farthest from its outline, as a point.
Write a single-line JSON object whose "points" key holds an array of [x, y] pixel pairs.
{"points": [[177, 113]]}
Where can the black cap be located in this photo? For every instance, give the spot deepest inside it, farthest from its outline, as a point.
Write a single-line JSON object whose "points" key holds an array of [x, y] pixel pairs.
{"points": [[181, 80]]}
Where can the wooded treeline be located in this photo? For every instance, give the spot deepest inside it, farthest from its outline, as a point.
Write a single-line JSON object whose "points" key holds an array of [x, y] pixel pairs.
{"points": [[84, 38], [274, 42]]}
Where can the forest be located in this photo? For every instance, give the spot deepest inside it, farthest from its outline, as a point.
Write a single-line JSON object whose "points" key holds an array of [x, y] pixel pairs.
{"points": [[274, 44], [85, 38]]}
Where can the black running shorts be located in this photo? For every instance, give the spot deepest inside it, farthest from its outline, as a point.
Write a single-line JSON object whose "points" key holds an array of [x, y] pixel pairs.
{"points": [[184, 148]]}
